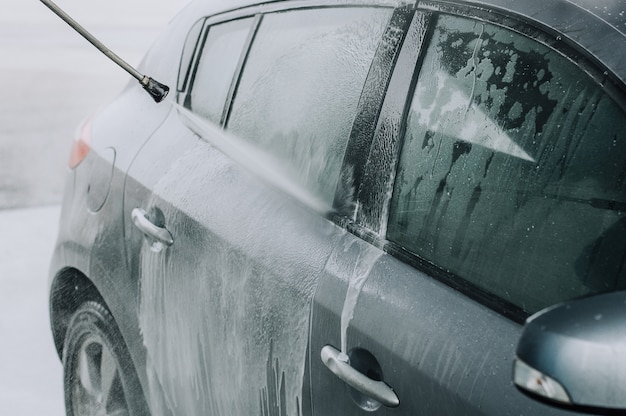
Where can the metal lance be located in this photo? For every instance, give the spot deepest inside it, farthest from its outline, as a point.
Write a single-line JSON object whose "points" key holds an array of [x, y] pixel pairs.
{"points": [[156, 90]]}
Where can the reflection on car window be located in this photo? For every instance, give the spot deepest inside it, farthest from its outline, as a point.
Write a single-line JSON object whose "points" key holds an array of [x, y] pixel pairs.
{"points": [[300, 88], [512, 170], [216, 68]]}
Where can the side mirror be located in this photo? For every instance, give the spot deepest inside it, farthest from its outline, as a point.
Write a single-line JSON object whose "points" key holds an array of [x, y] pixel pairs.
{"points": [[574, 354]]}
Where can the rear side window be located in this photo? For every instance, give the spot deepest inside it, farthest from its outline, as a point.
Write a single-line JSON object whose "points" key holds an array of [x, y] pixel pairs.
{"points": [[298, 94], [216, 68], [513, 168]]}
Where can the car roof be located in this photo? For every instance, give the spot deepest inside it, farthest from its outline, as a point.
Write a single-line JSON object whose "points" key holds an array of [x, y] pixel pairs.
{"points": [[611, 11], [598, 26]]}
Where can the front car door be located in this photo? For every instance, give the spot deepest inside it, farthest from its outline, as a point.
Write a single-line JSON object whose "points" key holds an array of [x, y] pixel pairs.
{"points": [[504, 199]]}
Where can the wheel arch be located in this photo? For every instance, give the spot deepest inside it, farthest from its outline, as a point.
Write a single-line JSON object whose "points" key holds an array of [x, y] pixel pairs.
{"points": [[70, 288]]}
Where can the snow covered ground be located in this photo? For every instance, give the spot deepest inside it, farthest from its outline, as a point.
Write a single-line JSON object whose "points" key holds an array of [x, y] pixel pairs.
{"points": [[50, 80], [30, 371]]}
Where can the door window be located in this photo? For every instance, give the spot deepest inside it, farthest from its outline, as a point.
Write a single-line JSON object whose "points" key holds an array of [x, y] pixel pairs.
{"points": [[191, 43], [512, 170], [299, 91], [217, 65]]}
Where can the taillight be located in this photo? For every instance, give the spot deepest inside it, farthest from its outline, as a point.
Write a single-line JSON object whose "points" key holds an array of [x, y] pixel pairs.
{"points": [[81, 145]]}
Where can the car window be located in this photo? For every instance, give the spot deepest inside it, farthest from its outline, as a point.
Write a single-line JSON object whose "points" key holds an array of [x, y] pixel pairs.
{"points": [[217, 65], [186, 58], [300, 87], [512, 170]]}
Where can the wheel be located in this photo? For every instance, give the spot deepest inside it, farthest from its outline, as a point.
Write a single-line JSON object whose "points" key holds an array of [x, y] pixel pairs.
{"points": [[98, 374]]}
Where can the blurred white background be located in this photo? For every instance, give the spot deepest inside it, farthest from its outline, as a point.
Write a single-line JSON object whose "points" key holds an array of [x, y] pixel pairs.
{"points": [[50, 80]]}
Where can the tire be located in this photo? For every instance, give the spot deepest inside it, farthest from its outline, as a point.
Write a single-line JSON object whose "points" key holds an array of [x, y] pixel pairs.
{"points": [[98, 375]]}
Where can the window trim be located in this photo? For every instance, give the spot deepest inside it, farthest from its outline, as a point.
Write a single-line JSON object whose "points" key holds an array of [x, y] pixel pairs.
{"points": [[243, 58], [183, 94], [183, 81], [379, 170], [365, 127]]}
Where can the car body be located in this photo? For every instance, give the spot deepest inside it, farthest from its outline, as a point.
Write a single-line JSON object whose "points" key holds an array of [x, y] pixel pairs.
{"points": [[346, 206]]}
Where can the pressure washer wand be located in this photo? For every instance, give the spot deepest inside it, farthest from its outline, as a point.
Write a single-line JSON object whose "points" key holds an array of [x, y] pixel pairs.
{"points": [[156, 90]]}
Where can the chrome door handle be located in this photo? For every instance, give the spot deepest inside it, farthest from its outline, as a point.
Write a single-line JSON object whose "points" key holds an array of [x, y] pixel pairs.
{"points": [[160, 234], [377, 390]]}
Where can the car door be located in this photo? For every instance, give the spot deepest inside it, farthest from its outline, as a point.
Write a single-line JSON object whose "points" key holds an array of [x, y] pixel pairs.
{"points": [[224, 305], [493, 209], [229, 202]]}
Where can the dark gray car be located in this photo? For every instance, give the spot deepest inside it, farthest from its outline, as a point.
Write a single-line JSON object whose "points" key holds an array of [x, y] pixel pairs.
{"points": [[354, 206]]}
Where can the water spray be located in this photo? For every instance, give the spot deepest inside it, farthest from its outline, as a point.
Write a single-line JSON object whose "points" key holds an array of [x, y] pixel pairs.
{"points": [[156, 90]]}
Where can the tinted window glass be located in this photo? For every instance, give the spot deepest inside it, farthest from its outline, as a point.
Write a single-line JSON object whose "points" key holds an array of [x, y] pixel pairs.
{"points": [[300, 88], [512, 170], [217, 66]]}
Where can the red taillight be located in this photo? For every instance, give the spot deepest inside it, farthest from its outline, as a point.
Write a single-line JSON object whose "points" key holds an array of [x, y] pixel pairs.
{"points": [[81, 145]]}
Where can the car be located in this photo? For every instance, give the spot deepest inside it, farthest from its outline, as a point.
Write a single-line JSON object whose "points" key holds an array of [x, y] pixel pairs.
{"points": [[352, 206]]}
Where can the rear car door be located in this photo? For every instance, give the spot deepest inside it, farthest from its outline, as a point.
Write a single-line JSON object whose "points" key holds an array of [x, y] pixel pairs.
{"points": [[493, 194], [229, 234]]}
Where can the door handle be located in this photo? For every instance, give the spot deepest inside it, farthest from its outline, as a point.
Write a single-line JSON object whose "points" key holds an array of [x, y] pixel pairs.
{"points": [[377, 390], [160, 234]]}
